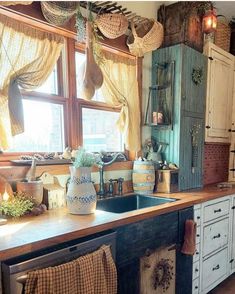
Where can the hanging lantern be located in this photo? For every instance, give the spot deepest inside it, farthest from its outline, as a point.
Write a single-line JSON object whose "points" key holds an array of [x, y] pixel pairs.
{"points": [[209, 21]]}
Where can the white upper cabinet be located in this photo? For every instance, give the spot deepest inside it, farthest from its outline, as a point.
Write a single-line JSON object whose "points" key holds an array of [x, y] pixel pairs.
{"points": [[219, 94]]}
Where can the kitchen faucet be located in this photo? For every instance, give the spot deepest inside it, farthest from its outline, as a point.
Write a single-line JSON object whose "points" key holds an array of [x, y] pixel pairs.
{"points": [[101, 166]]}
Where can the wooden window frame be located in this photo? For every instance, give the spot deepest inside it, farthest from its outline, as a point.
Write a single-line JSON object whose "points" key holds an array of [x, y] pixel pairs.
{"points": [[68, 96]]}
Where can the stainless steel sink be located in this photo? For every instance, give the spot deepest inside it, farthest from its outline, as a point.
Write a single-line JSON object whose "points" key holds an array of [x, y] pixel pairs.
{"points": [[120, 204]]}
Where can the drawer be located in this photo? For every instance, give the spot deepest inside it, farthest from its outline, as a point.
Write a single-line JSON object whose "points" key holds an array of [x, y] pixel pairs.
{"points": [[197, 253], [195, 287], [195, 270], [214, 269], [215, 236], [216, 210], [197, 216], [198, 235]]}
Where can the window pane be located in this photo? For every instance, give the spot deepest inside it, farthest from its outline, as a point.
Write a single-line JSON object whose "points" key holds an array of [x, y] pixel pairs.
{"points": [[51, 84], [100, 131], [44, 128], [80, 59]]}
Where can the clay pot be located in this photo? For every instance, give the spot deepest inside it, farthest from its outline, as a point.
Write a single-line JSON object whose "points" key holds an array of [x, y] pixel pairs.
{"points": [[32, 189]]}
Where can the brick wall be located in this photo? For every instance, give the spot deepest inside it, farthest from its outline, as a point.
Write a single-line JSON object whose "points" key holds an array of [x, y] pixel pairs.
{"points": [[216, 163]]}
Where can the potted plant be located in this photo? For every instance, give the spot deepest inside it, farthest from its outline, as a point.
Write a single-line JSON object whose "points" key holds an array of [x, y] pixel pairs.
{"points": [[81, 195]]}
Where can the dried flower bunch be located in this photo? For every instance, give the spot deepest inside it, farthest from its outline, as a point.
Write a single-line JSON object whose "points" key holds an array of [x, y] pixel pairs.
{"points": [[84, 159], [17, 205]]}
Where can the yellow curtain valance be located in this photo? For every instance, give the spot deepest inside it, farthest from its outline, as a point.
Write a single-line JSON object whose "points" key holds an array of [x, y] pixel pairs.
{"points": [[27, 58], [120, 89]]}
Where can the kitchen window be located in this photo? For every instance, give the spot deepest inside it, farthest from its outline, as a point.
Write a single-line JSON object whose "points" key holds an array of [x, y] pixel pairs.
{"points": [[57, 116], [44, 112]]}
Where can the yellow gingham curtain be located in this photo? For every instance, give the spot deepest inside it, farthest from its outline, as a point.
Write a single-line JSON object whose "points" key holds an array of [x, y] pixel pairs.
{"points": [[27, 57], [120, 89]]}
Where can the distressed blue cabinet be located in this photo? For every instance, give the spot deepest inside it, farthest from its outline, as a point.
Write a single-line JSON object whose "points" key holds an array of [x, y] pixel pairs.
{"points": [[186, 137]]}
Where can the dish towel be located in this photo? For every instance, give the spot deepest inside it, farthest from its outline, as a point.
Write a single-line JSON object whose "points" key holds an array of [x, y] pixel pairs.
{"points": [[189, 246], [94, 273]]}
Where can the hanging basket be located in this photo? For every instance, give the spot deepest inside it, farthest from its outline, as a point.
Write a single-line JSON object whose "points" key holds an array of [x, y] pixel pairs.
{"points": [[58, 12], [112, 25], [223, 34], [146, 37]]}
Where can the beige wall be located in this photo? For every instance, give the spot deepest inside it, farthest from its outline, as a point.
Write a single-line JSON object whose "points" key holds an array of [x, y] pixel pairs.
{"points": [[145, 9]]}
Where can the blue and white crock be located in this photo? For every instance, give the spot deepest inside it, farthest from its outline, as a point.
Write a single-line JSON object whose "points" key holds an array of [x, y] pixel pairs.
{"points": [[81, 195]]}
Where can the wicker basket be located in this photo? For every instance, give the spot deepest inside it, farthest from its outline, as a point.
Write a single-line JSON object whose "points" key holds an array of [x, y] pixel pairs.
{"points": [[146, 37], [223, 34], [58, 12], [112, 25]]}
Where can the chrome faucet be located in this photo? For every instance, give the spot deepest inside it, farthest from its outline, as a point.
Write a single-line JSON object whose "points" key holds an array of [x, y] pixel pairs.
{"points": [[101, 166]]}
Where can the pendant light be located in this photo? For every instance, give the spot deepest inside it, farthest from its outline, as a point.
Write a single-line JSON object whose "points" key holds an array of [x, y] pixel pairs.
{"points": [[209, 20]]}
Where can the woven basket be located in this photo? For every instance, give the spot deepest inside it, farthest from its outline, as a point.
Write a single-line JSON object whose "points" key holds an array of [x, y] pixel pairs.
{"points": [[223, 34], [112, 25], [146, 37], [58, 12]]}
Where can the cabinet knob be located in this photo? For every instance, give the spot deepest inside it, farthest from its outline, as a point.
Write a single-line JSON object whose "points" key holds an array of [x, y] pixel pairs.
{"points": [[196, 270], [198, 217], [211, 58], [217, 210], [197, 252], [216, 267], [198, 235], [208, 127], [196, 287], [216, 236]]}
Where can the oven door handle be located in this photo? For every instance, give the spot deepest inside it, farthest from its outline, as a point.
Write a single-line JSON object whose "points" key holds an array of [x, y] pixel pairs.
{"points": [[22, 279]]}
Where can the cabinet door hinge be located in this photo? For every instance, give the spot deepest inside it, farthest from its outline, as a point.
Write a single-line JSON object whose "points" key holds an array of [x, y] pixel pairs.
{"points": [[232, 260], [211, 58]]}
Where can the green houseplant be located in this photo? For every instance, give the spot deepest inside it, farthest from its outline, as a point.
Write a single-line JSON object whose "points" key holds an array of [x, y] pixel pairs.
{"points": [[17, 205], [81, 195]]}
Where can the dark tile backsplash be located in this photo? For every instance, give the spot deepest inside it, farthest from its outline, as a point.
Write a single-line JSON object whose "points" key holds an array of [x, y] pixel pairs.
{"points": [[216, 163]]}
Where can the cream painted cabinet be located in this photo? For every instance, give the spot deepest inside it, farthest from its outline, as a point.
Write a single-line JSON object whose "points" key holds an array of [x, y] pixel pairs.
{"points": [[213, 254], [219, 94], [232, 254]]}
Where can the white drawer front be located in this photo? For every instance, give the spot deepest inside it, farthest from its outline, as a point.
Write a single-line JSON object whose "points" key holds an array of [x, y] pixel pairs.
{"points": [[214, 268], [195, 270], [195, 287], [215, 236], [198, 236], [216, 210], [197, 253], [197, 216]]}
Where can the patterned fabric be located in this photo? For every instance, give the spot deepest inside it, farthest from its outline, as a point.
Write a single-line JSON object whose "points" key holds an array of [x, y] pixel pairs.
{"points": [[94, 273]]}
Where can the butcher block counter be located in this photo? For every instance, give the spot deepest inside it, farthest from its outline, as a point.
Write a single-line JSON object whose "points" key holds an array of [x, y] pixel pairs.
{"points": [[32, 233]]}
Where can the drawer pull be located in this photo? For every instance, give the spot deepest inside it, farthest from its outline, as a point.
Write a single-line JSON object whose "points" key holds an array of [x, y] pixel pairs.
{"points": [[216, 267], [216, 236], [217, 210], [232, 260]]}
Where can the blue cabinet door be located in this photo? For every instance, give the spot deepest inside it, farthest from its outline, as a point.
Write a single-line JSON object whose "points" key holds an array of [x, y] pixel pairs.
{"points": [[194, 73], [188, 113], [191, 153]]}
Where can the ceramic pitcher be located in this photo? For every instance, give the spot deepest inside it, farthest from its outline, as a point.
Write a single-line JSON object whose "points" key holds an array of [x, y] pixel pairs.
{"points": [[81, 195]]}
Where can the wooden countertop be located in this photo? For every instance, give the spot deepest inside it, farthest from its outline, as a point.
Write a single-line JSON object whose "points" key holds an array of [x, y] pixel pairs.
{"points": [[56, 226]]}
